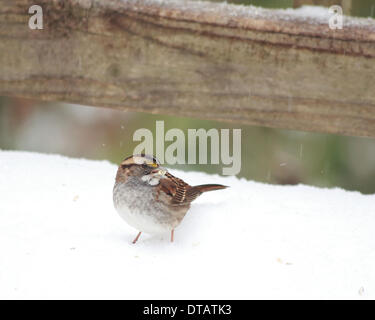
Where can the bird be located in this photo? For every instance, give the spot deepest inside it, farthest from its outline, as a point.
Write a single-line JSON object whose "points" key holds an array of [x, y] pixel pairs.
{"points": [[150, 199]]}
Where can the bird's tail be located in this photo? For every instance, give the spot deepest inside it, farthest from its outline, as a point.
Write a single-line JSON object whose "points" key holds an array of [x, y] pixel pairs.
{"points": [[209, 187], [194, 192]]}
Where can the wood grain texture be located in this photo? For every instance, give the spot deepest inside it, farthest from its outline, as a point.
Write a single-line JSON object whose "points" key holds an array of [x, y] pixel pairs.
{"points": [[194, 59]]}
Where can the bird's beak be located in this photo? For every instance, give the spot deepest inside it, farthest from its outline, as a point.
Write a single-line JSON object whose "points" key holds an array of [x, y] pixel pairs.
{"points": [[159, 171]]}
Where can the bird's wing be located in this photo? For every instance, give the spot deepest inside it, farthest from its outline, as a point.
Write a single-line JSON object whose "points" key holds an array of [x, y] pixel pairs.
{"points": [[181, 193], [176, 189]]}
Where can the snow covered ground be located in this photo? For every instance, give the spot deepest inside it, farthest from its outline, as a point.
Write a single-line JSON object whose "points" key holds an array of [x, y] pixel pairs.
{"points": [[60, 237]]}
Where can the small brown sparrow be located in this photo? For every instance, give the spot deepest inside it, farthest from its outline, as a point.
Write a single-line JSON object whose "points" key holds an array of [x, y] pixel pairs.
{"points": [[149, 198]]}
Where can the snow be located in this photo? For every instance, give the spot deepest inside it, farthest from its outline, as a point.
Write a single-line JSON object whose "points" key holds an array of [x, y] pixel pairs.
{"points": [[60, 237], [307, 13]]}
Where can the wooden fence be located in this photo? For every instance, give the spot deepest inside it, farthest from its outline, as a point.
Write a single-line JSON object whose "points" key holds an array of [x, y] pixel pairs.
{"points": [[194, 59]]}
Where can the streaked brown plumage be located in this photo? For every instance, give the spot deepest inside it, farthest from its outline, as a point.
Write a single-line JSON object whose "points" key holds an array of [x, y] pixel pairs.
{"points": [[151, 199]]}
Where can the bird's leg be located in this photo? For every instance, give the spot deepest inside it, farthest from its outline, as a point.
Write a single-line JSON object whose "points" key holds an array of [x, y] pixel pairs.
{"points": [[172, 235], [137, 237]]}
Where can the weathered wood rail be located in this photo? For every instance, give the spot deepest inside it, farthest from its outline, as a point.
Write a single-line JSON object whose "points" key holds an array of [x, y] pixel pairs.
{"points": [[194, 59]]}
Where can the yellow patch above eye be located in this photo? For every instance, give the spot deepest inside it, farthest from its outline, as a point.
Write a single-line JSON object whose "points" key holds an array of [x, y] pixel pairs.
{"points": [[151, 164]]}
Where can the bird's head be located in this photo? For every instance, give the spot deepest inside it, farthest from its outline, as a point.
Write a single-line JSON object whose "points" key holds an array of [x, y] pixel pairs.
{"points": [[144, 167]]}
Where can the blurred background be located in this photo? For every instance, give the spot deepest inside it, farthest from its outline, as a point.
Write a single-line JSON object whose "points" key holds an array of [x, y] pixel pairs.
{"points": [[268, 155]]}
